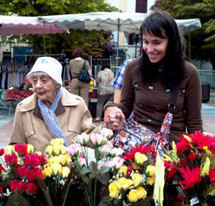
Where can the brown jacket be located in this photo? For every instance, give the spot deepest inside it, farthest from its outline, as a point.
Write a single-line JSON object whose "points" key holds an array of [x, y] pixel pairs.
{"points": [[29, 127], [149, 101]]}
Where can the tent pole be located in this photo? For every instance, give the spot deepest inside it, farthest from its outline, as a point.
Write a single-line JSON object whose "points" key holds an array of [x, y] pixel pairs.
{"points": [[117, 52], [44, 40]]}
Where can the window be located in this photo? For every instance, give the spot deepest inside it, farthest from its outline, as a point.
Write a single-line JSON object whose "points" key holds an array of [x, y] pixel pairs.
{"points": [[141, 6]]}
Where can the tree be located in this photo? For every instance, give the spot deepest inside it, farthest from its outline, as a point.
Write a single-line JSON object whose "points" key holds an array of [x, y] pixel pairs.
{"points": [[202, 39], [93, 42]]}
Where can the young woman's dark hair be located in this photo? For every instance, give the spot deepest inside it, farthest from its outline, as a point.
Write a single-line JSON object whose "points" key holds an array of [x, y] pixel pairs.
{"points": [[162, 25], [77, 52]]}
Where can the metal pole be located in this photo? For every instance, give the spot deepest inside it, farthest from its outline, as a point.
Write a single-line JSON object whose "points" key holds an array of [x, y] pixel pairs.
{"points": [[117, 52], [44, 40]]}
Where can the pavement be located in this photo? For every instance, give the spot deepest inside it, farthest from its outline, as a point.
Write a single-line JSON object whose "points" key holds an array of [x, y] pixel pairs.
{"points": [[6, 121]]}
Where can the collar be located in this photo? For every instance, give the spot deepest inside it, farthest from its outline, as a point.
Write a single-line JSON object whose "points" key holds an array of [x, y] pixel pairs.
{"points": [[67, 100]]}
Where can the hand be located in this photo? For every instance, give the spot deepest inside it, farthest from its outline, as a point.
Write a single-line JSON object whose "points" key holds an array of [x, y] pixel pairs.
{"points": [[114, 118]]}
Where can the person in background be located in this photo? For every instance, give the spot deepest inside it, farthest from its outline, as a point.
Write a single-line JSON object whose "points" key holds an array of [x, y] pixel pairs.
{"points": [[51, 111], [76, 64], [117, 83], [149, 79], [105, 90]]}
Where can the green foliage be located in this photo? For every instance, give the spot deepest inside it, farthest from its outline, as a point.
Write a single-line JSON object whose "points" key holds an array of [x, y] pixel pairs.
{"points": [[90, 41], [203, 39]]}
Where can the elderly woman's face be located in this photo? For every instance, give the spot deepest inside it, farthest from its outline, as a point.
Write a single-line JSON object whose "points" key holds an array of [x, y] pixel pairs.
{"points": [[45, 88]]}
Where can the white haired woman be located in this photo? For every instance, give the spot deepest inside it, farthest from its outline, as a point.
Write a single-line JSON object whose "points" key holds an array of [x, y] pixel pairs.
{"points": [[51, 111]]}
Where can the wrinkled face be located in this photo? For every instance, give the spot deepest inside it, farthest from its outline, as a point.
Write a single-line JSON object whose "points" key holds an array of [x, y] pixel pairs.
{"points": [[155, 47], [45, 88]]}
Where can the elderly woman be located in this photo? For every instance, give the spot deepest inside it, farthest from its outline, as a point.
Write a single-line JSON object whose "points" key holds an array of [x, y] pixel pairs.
{"points": [[51, 111]]}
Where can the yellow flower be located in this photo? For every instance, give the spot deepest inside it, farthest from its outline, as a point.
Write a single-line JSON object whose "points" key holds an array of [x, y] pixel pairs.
{"points": [[205, 148], [124, 183], [140, 158], [91, 83], [113, 189], [141, 192], [9, 149], [56, 168], [53, 159], [123, 170], [49, 150], [151, 180], [133, 196], [47, 172], [59, 149], [57, 141], [64, 159], [38, 152], [137, 179], [65, 172], [151, 170], [30, 148]]}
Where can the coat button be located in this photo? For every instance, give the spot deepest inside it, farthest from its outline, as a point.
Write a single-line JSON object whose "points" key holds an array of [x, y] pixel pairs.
{"points": [[151, 87], [149, 120], [140, 105], [136, 85]]}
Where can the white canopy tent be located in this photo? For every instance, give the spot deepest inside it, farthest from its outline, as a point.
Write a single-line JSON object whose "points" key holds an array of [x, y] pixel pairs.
{"points": [[112, 21]]}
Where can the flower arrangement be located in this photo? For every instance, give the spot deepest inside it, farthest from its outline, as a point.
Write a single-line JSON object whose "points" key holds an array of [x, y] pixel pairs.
{"points": [[133, 182], [190, 168], [20, 168], [76, 175]]}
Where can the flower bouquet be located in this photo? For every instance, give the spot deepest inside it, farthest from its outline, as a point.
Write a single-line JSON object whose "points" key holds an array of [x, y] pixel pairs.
{"points": [[132, 184], [19, 171], [190, 169]]}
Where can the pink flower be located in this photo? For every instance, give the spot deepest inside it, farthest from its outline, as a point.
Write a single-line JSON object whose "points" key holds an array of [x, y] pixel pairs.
{"points": [[74, 149], [97, 139], [83, 139]]}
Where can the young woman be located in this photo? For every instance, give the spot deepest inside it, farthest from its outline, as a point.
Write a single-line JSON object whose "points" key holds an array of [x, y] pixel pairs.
{"points": [[149, 80]]}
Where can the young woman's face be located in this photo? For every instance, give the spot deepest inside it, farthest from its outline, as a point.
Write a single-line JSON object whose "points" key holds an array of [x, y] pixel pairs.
{"points": [[155, 47]]}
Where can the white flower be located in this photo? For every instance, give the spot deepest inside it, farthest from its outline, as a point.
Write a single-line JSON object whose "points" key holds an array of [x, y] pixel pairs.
{"points": [[116, 151], [83, 139], [74, 149], [107, 132]]}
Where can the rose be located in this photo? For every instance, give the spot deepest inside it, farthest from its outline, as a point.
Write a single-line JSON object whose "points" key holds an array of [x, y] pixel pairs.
{"points": [[47, 172], [21, 149], [17, 184], [137, 179], [74, 149], [124, 183], [113, 189], [150, 170], [64, 159], [57, 141], [49, 150], [9, 149], [97, 139], [106, 133], [140, 158], [133, 196], [11, 159], [123, 170], [31, 187]]}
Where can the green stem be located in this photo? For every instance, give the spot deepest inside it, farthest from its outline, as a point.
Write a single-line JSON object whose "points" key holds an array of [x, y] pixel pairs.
{"points": [[95, 189], [88, 198]]}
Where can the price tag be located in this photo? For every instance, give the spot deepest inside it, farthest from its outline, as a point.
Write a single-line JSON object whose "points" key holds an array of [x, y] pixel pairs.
{"points": [[194, 201]]}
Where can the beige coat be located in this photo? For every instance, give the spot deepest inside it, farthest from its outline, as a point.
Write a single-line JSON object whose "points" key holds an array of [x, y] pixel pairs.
{"points": [[29, 127]]}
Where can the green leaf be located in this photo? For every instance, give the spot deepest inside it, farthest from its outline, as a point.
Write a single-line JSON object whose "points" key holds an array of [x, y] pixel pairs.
{"points": [[45, 191], [104, 178], [85, 170], [17, 200], [93, 167], [85, 179], [104, 169], [93, 175]]}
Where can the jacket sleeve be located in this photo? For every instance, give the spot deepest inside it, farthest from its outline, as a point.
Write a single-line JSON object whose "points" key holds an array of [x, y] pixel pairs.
{"points": [[193, 102], [127, 95], [18, 134]]}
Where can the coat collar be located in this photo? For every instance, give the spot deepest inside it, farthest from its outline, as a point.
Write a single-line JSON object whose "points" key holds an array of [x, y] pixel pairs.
{"points": [[67, 99]]}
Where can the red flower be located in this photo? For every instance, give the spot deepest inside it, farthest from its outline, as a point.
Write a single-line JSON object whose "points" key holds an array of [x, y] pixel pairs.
{"points": [[17, 184], [130, 169], [11, 159], [30, 176], [171, 173], [21, 149], [32, 160], [192, 156], [1, 190], [31, 187], [212, 176], [140, 148], [182, 145], [42, 159], [1, 168], [23, 171], [1, 152], [191, 177]]}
